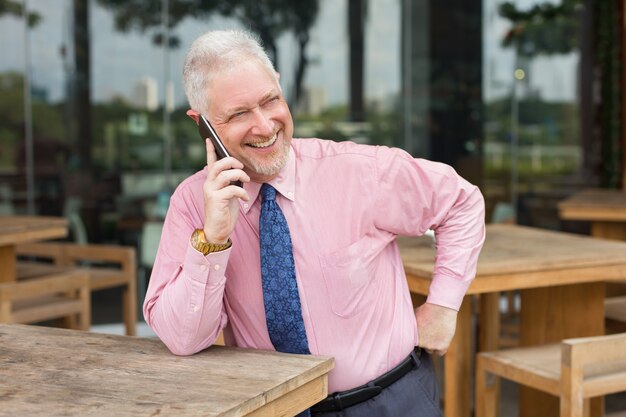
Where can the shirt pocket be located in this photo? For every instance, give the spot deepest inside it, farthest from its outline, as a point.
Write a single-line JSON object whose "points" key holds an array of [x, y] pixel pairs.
{"points": [[350, 274]]}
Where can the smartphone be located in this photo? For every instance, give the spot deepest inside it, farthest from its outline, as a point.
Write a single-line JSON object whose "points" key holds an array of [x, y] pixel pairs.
{"points": [[206, 131]]}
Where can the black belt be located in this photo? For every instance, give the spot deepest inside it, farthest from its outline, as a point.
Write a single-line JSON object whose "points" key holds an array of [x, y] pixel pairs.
{"points": [[344, 399]]}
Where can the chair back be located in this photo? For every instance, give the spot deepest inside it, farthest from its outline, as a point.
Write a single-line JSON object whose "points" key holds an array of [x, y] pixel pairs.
{"points": [[595, 350]]}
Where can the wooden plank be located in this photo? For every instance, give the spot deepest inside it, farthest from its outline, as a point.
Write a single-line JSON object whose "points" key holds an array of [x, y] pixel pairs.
{"points": [[513, 249], [19, 229], [594, 204], [123, 270], [7, 264], [516, 257], [45, 308], [538, 366], [31, 288], [457, 365], [554, 308], [295, 401], [74, 373]]}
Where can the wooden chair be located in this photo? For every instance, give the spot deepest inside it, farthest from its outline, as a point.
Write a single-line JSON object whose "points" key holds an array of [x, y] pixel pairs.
{"points": [[108, 267], [62, 295], [574, 370]]}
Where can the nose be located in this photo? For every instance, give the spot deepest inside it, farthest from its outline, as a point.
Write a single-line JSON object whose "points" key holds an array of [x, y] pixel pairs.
{"points": [[263, 125]]}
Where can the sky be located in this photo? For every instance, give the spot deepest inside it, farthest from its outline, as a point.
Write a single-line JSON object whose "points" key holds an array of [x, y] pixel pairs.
{"points": [[119, 60]]}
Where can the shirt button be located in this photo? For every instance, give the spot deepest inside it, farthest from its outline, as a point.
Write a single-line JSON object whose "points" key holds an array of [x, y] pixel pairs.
{"points": [[246, 205], [290, 193], [195, 308], [216, 267], [202, 267]]}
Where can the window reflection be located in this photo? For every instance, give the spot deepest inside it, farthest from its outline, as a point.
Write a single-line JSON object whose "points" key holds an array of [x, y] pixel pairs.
{"points": [[111, 139]]}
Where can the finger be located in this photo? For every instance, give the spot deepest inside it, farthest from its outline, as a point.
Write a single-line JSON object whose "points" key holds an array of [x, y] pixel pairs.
{"points": [[227, 177], [211, 156], [232, 191], [222, 165]]}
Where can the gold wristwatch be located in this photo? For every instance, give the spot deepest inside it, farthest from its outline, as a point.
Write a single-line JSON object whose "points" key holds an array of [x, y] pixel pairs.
{"points": [[199, 242]]}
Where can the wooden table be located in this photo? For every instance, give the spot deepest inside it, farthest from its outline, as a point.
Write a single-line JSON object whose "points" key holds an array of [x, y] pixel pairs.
{"points": [[58, 372], [22, 229], [561, 277], [606, 211]]}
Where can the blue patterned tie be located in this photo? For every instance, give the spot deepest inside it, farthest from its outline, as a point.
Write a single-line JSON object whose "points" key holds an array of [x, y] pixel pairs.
{"points": [[280, 288]]}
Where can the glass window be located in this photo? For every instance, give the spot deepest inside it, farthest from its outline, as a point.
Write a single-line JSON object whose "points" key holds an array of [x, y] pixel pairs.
{"points": [[111, 139]]}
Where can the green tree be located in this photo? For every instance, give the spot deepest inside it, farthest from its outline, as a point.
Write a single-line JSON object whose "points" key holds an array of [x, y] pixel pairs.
{"points": [[545, 28], [16, 8], [268, 18]]}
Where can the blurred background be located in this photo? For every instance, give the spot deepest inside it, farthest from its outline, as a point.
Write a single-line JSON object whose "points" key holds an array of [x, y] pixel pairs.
{"points": [[523, 98]]}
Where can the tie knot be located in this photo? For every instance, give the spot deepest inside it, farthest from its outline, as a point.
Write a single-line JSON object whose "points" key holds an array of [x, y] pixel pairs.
{"points": [[268, 193]]}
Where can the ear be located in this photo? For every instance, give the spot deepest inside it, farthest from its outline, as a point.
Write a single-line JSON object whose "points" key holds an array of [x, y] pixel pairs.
{"points": [[277, 76], [194, 115]]}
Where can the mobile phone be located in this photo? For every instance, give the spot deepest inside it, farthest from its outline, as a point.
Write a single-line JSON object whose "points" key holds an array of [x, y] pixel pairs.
{"points": [[206, 131]]}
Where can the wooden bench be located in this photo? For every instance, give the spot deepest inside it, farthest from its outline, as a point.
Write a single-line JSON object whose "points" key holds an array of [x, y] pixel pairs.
{"points": [[574, 370], [63, 295], [108, 266]]}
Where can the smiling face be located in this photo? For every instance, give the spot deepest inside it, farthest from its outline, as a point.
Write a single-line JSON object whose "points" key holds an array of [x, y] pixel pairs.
{"points": [[252, 118]]}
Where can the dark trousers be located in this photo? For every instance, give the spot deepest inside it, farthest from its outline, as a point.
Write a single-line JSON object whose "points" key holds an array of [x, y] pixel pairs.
{"points": [[414, 395]]}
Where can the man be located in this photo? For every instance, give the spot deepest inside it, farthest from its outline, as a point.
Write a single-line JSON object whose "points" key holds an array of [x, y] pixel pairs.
{"points": [[344, 204]]}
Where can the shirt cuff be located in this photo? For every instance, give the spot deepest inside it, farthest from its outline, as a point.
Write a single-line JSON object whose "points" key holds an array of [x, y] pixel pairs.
{"points": [[447, 291], [210, 268]]}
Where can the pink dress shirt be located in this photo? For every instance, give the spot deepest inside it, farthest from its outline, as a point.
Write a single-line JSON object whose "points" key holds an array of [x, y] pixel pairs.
{"points": [[344, 203]]}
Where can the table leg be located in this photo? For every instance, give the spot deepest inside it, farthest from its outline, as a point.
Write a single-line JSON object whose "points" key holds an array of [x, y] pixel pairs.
{"points": [[7, 263], [550, 315], [615, 231], [457, 364]]}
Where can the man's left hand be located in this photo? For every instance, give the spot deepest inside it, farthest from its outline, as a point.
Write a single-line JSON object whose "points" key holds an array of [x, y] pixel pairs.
{"points": [[435, 326]]}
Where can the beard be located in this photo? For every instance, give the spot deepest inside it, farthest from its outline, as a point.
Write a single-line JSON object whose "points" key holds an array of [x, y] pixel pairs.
{"points": [[275, 165]]}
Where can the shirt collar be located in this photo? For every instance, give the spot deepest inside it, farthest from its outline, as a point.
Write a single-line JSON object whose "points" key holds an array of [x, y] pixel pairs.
{"points": [[284, 183]]}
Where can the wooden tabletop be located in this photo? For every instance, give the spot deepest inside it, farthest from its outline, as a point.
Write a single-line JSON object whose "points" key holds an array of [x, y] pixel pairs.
{"points": [[557, 273], [22, 229], [54, 372], [594, 204], [518, 257]]}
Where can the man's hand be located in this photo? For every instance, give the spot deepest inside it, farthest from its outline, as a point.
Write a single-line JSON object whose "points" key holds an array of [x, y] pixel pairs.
{"points": [[435, 326], [221, 208]]}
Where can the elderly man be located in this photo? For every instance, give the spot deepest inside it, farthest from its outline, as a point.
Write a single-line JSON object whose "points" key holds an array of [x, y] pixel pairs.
{"points": [[303, 257]]}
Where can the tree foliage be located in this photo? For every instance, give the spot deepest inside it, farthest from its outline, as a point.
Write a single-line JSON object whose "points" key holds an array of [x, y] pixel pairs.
{"points": [[545, 28], [16, 8], [268, 18]]}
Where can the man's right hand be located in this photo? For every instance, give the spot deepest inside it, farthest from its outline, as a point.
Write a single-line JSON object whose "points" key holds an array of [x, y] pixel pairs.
{"points": [[221, 208]]}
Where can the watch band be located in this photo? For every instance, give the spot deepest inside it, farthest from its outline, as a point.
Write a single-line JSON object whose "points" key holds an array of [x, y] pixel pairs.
{"points": [[199, 242]]}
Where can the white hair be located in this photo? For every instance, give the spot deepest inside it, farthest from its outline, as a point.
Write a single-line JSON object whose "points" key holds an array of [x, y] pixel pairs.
{"points": [[217, 52]]}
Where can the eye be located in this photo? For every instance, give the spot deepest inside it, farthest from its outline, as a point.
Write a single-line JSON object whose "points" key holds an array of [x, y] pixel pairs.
{"points": [[237, 115], [272, 100]]}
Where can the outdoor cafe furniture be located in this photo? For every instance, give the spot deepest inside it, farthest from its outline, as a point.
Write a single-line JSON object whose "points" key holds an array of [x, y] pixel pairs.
{"points": [[63, 294], [60, 372], [23, 229], [605, 209], [108, 266], [573, 371], [561, 277]]}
